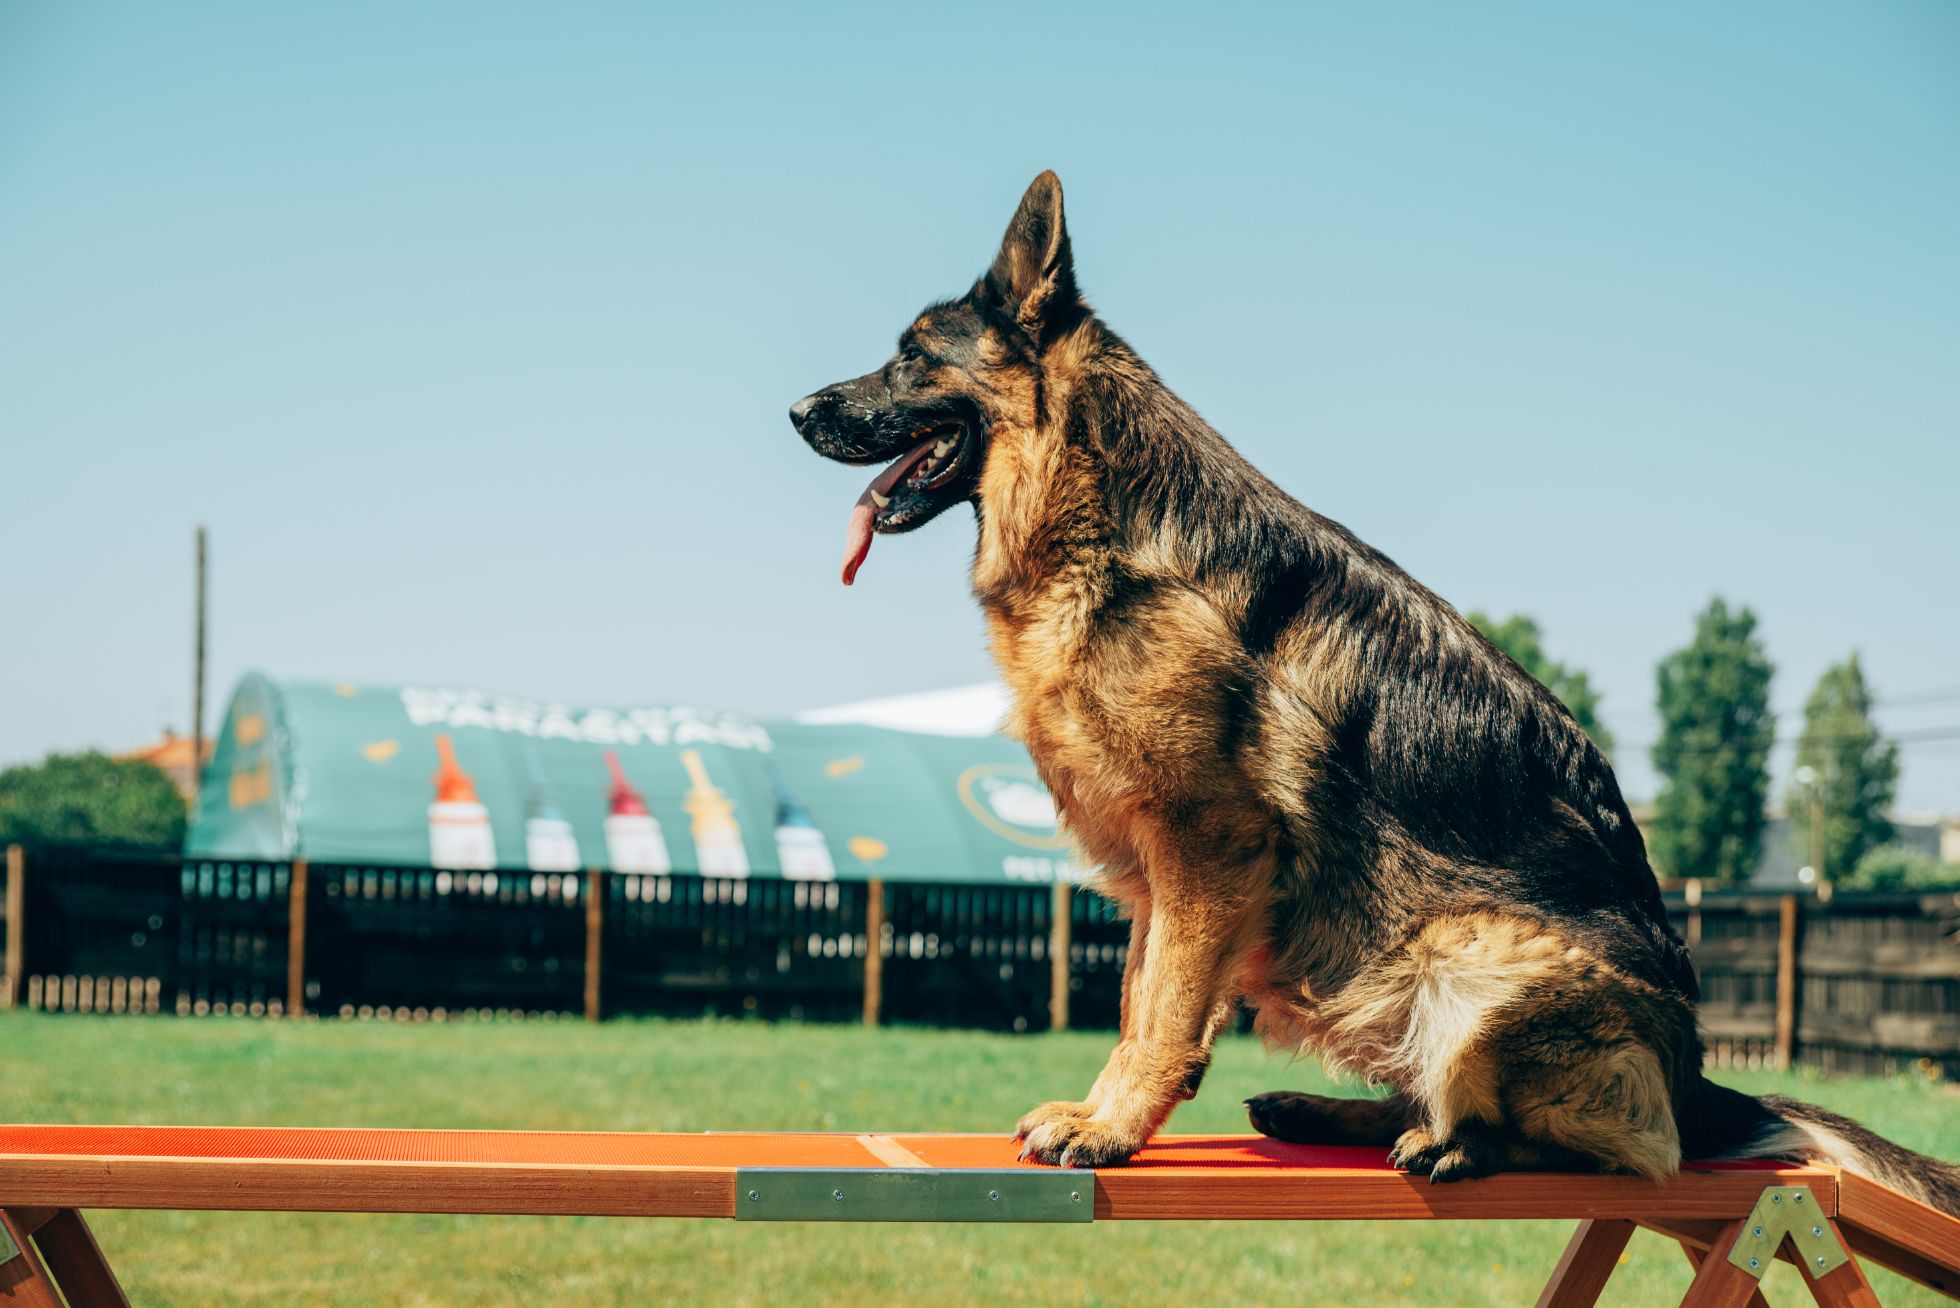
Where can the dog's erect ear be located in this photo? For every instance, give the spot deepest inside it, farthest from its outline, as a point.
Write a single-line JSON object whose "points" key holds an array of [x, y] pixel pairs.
{"points": [[1033, 277]]}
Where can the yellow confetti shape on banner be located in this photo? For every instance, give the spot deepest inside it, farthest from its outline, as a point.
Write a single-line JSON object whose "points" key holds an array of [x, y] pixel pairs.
{"points": [[381, 751], [867, 849]]}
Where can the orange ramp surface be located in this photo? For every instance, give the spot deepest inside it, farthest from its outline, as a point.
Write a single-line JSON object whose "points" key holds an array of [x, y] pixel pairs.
{"points": [[48, 1173]]}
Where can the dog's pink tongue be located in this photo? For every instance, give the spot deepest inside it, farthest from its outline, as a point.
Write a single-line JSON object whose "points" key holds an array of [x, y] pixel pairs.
{"points": [[857, 538]]}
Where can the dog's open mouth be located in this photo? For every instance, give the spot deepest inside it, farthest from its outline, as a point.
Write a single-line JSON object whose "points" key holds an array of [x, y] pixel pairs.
{"points": [[893, 499]]}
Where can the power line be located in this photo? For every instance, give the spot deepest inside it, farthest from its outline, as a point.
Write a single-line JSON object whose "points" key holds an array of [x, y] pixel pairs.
{"points": [[1918, 697], [1934, 695], [1925, 735]]}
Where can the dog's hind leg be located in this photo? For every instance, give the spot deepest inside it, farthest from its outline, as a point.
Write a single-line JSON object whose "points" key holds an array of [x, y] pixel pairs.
{"points": [[1324, 1120], [1585, 1077]]}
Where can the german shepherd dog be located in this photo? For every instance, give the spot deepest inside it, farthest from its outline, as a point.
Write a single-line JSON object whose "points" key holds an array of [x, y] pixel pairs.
{"points": [[1312, 785]]}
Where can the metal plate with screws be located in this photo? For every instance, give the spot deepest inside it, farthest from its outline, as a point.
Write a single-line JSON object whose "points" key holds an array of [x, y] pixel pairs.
{"points": [[1790, 1210], [914, 1194]]}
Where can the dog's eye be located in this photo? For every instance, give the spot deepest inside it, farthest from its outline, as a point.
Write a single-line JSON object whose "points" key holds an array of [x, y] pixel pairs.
{"points": [[911, 354]]}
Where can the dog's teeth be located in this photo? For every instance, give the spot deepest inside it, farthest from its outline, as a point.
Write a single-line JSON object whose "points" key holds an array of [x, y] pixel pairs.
{"points": [[880, 500], [941, 448]]}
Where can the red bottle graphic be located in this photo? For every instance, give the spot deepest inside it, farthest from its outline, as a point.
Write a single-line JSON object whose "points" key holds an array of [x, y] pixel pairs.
{"points": [[634, 842]]}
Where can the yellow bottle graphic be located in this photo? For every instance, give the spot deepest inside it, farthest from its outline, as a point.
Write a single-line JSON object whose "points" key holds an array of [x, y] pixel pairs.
{"points": [[717, 839]]}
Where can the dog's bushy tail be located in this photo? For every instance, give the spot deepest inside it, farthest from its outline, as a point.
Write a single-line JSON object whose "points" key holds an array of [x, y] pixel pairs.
{"points": [[1725, 1123]]}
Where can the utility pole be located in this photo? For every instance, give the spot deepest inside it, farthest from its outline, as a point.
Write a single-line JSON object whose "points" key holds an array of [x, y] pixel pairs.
{"points": [[197, 678], [1812, 782]]}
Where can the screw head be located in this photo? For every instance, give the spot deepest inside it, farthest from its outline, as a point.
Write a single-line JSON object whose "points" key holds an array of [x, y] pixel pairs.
{"points": [[1817, 1230], [1776, 1198], [1075, 1196], [753, 1196], [1799, 1198], [1821, 1260], [837, 1194], [993, 1195], [1755, 1262], [1756, 1231]]}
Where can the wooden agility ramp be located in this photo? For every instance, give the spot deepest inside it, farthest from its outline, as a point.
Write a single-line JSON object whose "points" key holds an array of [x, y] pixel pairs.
{"points": [[1732, 1219]]}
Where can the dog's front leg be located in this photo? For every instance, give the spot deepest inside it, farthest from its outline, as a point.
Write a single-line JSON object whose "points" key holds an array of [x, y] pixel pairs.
{"points": [[1187, 965], [1062, 1117]]}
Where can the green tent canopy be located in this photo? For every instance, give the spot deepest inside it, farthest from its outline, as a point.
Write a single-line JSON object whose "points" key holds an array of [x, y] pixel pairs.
{"points": [[415, 776]]}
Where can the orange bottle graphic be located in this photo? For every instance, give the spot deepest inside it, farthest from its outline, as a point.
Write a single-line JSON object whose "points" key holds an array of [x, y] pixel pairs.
{"points": [[634, 842], [459, 825], [717, 839]]}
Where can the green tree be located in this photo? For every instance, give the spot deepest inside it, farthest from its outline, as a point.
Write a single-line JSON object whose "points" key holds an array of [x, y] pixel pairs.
{"points": [[90, 796], [1713, 754], [1898, 867], [1520, 637], [1846, 771]]}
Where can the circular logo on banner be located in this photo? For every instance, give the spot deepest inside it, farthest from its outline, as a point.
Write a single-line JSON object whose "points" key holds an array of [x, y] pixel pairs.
{"points": [[1010, 801]]}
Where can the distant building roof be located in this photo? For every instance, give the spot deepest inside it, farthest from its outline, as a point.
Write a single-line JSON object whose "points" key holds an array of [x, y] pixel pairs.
{"points": [[173, 755], [976, 710], [466, 780]]}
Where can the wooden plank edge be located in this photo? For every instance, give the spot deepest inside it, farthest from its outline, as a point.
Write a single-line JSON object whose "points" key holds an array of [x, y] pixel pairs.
{"points": [[1165, 1194], [301, 1185], [1876, 1248], [1878, 1219]]}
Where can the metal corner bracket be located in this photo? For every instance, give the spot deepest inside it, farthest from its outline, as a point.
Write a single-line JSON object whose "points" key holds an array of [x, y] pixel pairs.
{"points": [[1790, 1210]]}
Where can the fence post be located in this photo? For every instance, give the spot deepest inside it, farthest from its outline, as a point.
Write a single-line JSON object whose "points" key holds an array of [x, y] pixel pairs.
{"points": [[12, 968], [1058, 961], [296, 939], [874, 950], [595, 897], [1787, 936]]}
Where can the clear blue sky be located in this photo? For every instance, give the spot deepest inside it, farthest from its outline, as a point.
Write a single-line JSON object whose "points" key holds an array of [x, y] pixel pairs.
{"points": [[469, 329]]}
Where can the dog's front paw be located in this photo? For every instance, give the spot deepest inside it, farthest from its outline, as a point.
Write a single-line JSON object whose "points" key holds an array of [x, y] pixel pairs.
{"points": [[1416, 1150], [1053, 1113], [1442, 1160], [1066, 1139], [1045, 1132]]}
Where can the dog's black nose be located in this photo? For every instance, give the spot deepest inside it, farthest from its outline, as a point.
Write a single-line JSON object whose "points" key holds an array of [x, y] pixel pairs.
{"points": [[799, 412]]}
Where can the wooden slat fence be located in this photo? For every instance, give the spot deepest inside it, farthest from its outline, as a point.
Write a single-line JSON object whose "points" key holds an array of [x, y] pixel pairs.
{"points": [[1859, 983]]}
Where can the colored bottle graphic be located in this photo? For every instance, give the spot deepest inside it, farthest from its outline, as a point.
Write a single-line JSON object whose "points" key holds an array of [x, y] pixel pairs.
{"points": [[717, 840], [459, 825], [799, 845], [634, 842], [549, 845]]}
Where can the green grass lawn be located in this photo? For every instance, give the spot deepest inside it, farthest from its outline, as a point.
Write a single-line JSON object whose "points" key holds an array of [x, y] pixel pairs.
{"points": [[671, 1076]]}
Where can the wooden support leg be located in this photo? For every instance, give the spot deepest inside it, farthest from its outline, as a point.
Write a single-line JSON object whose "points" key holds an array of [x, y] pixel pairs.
{"points": [[56, 1249], [1589, 1258], [24, 1279], [1718, 1282], [1582, 1269], [1694, 1238], [1843, 1287], [77, 1262]]}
